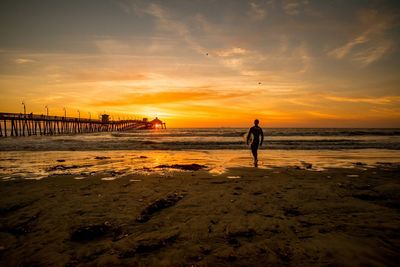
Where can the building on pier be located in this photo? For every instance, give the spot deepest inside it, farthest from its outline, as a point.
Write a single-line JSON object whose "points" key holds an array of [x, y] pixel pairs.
{"points": [[158, 124], [105, 118]]}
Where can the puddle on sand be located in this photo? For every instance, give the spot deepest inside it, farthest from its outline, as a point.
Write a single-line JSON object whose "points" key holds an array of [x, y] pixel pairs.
{"points": [[109, 178], [36, 177]]}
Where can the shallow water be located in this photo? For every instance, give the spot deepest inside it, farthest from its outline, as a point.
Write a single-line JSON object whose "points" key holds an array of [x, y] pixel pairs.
{"points": [[118, 163], [210, 139]]}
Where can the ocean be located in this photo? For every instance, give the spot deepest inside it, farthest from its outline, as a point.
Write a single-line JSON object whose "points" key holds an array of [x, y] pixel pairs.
{"points": [[115, 154], [211, 139]]}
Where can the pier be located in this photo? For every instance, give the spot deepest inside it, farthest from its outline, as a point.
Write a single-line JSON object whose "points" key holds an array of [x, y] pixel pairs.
{"points": [[18, 124]]}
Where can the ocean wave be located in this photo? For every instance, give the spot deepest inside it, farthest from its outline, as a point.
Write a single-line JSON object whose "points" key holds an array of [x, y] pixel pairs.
{"points": [[240, 132], [82, 145], [210, 139]]}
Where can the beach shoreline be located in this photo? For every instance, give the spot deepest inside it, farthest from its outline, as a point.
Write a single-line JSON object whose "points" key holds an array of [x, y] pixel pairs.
{"points": [[16, 165], [243, 216]]}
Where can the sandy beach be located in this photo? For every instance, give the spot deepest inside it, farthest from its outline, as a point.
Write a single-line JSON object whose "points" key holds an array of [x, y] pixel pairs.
{"points": [[243, 217]]}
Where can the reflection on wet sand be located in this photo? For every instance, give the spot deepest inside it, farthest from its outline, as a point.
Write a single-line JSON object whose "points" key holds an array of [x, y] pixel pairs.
{"points": [[115, 164]]}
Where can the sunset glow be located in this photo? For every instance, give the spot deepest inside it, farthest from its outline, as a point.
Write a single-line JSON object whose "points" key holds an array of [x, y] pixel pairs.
{"points": [[205, 63]]}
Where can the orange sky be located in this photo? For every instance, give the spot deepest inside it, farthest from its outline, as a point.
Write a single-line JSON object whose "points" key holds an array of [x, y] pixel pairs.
{"points": [[205, 63]]}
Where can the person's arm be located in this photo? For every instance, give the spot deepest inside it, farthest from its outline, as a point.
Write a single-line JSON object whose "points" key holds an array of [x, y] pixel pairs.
{"points": [[248, 136], [262, 137]]}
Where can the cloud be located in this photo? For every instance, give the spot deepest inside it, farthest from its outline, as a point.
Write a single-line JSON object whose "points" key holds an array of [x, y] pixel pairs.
{"points": [[370, 100], [342, 51], [111, 46], [164, 97], [239, 59], [293, 7], [23, 60], [257, 12], [166, 22], [234, 51], [373, 53], [304, 57], [234, 63], [323, 115], [131, 6], [372, 43], [374, 48], [235, 58], [108, 75]]}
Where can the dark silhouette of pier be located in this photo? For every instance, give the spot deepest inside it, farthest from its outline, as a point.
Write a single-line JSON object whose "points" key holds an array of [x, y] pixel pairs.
{"points": [[18, 124]]}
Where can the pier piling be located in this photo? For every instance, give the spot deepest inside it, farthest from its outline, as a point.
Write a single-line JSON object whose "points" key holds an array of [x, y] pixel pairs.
{"points": [[18, 124]]}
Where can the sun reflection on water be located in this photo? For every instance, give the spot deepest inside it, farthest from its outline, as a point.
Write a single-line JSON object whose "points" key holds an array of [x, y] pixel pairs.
{"points": [[115, 164]]}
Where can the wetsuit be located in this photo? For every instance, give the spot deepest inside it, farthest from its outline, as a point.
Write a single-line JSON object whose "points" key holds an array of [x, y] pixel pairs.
{"points": [[257, 132]]}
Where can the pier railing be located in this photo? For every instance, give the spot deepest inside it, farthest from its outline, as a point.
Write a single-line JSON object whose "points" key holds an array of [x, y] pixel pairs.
{"points": [[17, 124]]}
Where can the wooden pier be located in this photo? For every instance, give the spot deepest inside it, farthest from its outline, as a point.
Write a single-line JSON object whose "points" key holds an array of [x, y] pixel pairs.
{"points": [[17, 124]]}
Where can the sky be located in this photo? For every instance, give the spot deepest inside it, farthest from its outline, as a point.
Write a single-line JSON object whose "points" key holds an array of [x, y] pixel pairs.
{"points": [[204, 63]]}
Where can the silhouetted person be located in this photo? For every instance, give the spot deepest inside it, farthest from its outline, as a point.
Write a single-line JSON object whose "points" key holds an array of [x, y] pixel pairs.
{"points": [[258, 138]]}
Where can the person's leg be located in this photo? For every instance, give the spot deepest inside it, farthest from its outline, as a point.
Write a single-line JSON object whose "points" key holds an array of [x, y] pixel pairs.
{"points": [[254, 148]]}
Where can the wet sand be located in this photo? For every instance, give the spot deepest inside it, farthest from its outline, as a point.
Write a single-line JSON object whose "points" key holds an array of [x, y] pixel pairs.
{"points": [[244, 217]]}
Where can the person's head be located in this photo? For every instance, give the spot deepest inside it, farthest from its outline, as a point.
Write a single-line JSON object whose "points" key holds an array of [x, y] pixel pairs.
{"points": [[256, 122]]}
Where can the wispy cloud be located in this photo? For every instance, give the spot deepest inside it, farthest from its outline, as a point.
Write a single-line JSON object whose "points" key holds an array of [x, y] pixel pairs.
{"points": [[373, 53], [370, 100], [164, 97], [257, 11], [112, 46], [304, 57], [344, 50], [323, 115], [132, 6], [232, 58], [234, 51], [294, 7], [166, 22], [239, 59], [24, 60], [372, 43], [108, 75]]}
